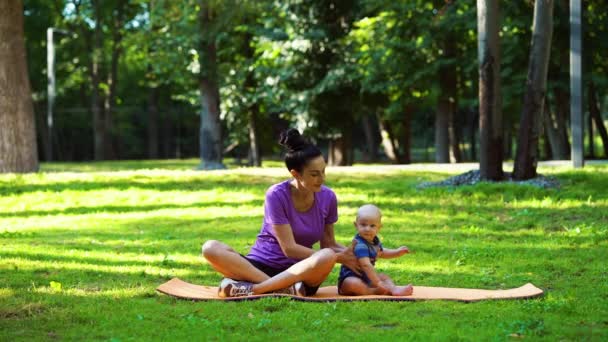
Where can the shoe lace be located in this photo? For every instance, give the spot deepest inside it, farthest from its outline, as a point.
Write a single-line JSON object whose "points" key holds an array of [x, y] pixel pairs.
{"points": [[240, 290], [288, 290]]}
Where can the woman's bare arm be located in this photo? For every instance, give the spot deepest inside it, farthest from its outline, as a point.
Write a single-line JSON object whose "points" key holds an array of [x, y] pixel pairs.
{"points": [[290, 248]]}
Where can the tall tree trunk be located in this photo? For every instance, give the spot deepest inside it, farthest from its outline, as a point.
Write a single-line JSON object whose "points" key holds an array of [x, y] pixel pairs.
{"points": [[560, 122], [98, 118], [594, 111], [526, 157], [490, 112], [388, 140], [167, 133], [340, 148], [371, 147], [447, 103], [254, 108], [406, 136], [336, 155], [110, 100], [442, 142], [590, 136], [559, 150], [210, 127], [472, 122], [252, 125], [153, 123], [546, 144], [18, 150]]}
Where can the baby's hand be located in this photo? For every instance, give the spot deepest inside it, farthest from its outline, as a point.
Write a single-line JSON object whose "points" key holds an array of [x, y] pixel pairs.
{"points": [[402, 250]]}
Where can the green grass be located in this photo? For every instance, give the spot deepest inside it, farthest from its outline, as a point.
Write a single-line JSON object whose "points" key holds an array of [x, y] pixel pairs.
{"points": [[83, 247]]}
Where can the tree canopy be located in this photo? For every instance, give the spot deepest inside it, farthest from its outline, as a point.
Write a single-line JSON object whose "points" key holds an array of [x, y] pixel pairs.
{"points": [[366, 79]]}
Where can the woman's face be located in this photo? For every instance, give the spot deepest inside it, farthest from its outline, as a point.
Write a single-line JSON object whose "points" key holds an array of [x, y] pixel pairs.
{"points": [[313, 174]]}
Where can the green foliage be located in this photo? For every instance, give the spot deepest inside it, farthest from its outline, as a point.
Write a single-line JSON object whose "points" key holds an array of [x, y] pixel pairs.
{"points": [[318, 65], [83, 247]]}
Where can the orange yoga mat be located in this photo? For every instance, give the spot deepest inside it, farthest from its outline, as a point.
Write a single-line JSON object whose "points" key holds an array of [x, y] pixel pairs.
{"points": [[181, 289]]}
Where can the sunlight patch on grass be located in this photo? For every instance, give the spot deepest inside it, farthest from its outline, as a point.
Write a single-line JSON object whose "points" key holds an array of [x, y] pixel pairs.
{"points": [[161, 270], [115, 293], [5, 292]]}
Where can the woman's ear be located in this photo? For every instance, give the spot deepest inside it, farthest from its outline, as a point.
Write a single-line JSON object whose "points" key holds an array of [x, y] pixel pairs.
{"points": [[295, 174]]}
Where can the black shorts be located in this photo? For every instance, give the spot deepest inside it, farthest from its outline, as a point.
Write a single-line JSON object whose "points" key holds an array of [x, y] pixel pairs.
{"points": [[271, 272]]}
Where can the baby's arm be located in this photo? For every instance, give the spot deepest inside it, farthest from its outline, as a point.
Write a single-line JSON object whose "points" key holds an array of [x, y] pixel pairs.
{"points": [[370, 271], [387, 253]]}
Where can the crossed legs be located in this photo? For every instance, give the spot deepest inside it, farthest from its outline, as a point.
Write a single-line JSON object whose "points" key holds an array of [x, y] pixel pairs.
{"points": [[312, 270]]}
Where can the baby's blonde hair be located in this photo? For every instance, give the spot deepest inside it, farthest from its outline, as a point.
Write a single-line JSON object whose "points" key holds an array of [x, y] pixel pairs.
{"points": [[369, 209]]}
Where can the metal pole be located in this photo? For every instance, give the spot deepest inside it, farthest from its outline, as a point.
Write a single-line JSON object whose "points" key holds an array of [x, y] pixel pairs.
{"points": [[50, 65], [576, 84]]}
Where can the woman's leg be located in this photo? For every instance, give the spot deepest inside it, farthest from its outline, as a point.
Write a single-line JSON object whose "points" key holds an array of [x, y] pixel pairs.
{"points": [[312, 271], [231, 264]]}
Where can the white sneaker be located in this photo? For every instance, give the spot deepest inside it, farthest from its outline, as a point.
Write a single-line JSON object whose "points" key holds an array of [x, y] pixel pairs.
{"points": [[296, 289], [233, 288], [299, 289]]}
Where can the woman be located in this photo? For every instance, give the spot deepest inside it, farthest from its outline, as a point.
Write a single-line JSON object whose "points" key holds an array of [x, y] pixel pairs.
{"points": [[297, 214]]}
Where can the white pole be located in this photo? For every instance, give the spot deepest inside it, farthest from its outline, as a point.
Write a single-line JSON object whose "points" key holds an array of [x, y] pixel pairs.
{"points": [[50, 65], [576, 84]]}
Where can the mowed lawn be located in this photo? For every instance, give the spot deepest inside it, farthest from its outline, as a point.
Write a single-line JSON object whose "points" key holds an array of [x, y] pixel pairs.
{"points": [[83, 247]]}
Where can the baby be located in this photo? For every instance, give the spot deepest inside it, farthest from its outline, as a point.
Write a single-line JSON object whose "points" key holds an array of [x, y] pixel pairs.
{"points": [[367, 249]]}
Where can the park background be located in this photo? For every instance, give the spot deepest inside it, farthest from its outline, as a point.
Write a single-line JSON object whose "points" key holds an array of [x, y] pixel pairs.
{"points": [[369, 81], [107, 200]]}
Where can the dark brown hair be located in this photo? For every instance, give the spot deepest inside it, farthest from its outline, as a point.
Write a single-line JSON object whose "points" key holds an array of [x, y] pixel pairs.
{"points": [[299, 150]]}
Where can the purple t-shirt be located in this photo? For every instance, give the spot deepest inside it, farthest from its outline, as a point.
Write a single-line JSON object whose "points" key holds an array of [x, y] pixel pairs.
{"points": [[307, 227]]}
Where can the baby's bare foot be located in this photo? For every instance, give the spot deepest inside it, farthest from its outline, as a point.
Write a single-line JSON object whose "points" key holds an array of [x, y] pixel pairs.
{"points": [[402, 290]]}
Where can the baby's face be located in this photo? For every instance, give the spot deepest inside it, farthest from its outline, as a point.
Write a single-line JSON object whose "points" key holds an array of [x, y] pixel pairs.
{"points": [[368, 226]]}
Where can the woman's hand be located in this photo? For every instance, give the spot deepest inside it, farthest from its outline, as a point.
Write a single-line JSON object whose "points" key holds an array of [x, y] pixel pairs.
{"points": [[348, 259]]}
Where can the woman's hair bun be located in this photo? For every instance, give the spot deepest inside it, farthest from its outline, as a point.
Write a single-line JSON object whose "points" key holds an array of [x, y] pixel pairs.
{"points": [[292, 140]]}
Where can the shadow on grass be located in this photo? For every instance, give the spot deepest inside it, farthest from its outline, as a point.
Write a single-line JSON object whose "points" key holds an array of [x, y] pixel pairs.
{"points": [[256, 184], [84, 210]]}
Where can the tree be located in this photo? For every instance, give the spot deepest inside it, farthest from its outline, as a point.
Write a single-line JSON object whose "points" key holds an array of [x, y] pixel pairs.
{"points": [[490, 113], [526, 157], [210, 129], [18, 151]]}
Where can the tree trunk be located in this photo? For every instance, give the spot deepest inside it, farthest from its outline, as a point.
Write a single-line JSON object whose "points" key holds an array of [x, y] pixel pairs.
{"points": [[110, 100], [153, 122], [447, 104], [558, 150], [210, 128], [472, 122], [98, 117], [442, 114], [254, 146], [560, 122], [490, 112], [370, 154], [594, 111], [442, 143], [388, 140], [590, 137], [406, 136], [167, 133], [336, 155], [109, 150], [255, 158], [526, 157], [18, 150], [340, 148]]}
